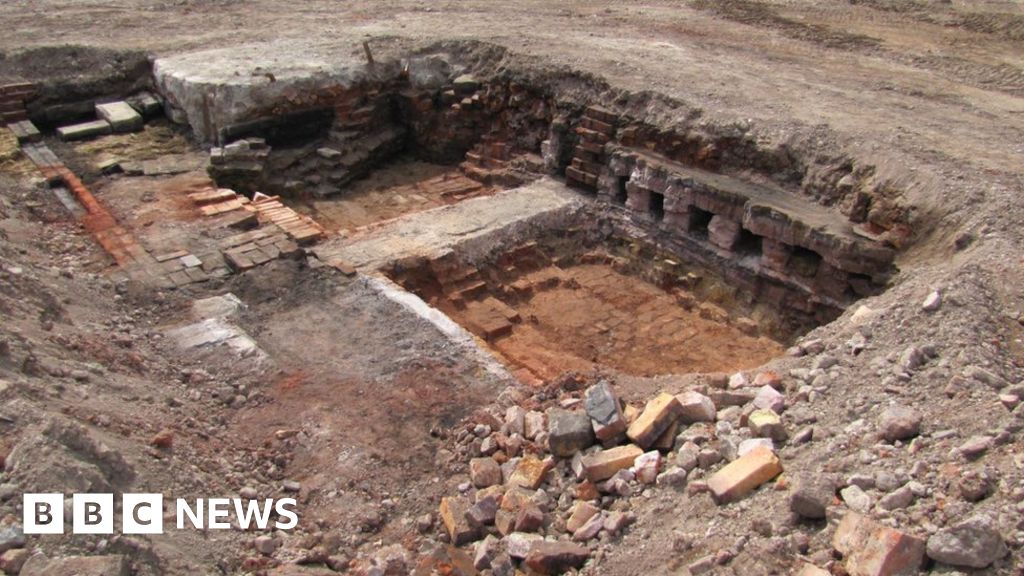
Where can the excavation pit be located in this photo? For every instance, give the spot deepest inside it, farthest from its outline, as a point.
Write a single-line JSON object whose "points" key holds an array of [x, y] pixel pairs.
{"points": [[565, 304]]}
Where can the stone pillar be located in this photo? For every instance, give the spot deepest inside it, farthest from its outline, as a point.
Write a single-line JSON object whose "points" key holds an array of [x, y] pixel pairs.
{"points": [[723, 233], [775, 255], [638, 199], [831, 281]]}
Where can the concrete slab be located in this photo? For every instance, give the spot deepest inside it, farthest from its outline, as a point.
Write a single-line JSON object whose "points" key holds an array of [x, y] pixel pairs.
{"points": [[121, 116], [84, 130], [213, 89], [433, 232]]}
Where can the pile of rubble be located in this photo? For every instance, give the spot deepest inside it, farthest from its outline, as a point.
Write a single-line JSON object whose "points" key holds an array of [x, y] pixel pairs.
{"points": [[546, 487]]}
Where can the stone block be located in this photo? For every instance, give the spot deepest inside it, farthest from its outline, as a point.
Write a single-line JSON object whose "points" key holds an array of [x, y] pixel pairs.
{"points": [[766, 424], [743, 475], [568, 432], [580, 514], [604, 464], [453, 514], [658, 414], [529, 473], [83, 130], [870, 549], [695, 407], [556, 557], [518, 544], [121, 116], [723, 232], [484, 472], [605, 411]]}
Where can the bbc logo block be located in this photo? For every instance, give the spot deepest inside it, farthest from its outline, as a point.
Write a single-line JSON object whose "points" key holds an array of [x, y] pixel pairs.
{"points": [[144, 513]]}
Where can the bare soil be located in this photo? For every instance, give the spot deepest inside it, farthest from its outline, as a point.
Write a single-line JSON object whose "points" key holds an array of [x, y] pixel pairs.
{"points": [[928, 96]]}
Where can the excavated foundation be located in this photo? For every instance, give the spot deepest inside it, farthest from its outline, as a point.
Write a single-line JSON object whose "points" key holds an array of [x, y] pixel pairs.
{"points": [[652, 251]]}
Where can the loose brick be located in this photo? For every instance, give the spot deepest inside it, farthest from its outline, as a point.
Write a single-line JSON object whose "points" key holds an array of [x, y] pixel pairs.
{"points": [[529, 473], [453, 514], [555, 557], [744, 474], [604, 464], [696, 407], [870, 549], [656, 417]]}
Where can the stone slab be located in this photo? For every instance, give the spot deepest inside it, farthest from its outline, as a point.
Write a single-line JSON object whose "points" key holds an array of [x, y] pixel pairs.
{"points": [[121, 116], [84, 130]]}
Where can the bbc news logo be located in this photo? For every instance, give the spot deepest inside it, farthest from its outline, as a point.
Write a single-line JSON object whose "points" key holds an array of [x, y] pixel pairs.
{"points": [[144, 513]]}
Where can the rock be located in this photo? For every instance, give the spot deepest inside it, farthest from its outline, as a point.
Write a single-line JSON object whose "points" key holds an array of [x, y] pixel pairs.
{"points": [[12, 561], [11, 536], [589, 530], [453, 514], [556, 557], [726, 398], [824, 362], [518, 544], [646, 466], [899, 423], [484, 472], [529, 473], [708, 457], [483, 512], [529, 519], [912, 358], [515, 421], [686, 456], [897, 499], [738, 380], [658, 415], [768, 378], [674, 476], [580, 514], [605, 463], [502, 565], [701, 565], [568, 432], [975, 446], [465, 84], [121, 116], [975, 485], [932, 302], [616, 521], [111, 565], [811, 497], [743, 475], [974, 543], [768, 398], [486, 551], [266, 545], [605, 411], [533, 425], [424, 523], [870, 549], [766, 424], [856, 499], [695, 407], [861, 315], [291, 486], [751, 443]]}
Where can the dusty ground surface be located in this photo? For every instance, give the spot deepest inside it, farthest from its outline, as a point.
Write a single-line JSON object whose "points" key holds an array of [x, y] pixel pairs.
{"points": [[928, 93]]}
